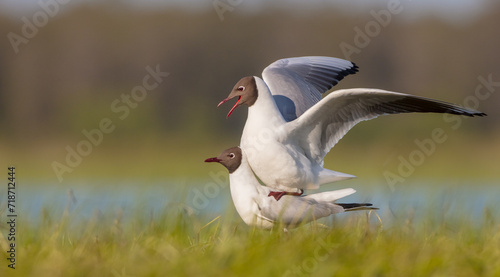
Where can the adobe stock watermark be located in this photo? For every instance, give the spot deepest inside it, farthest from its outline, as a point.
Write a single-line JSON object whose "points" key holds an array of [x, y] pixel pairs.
{"points": [[363, 37], [428, 146], [223, 6], [201, 198], [121, 108], [310, 264], [39, 19]]}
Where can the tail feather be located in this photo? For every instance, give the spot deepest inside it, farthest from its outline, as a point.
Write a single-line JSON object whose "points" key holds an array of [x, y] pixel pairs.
{"points": [[329, 176], [330, 196], [356, 206]]}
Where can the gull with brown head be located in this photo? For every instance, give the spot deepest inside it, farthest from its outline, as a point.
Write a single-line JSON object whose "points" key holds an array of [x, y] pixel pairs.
{"points": [[290, 127], [252, 203]]}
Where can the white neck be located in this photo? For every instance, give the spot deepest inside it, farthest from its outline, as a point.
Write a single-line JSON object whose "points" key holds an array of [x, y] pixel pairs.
{"points": [[264, 111], [245, 191]]}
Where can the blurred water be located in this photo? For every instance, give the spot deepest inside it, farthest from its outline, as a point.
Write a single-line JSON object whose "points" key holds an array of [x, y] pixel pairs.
{"points": [[83, 200]]}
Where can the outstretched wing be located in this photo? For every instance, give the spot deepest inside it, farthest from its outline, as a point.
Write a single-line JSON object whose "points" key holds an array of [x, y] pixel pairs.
{"points": [[298, 83], [323, 125]]}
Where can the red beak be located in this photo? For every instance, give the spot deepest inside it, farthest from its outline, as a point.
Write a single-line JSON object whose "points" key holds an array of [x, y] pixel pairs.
{"points": [[232, 109], [212, 160]]}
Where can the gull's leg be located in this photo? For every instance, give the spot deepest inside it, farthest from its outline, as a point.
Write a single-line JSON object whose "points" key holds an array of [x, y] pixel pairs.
{"points": [[278, 194]]}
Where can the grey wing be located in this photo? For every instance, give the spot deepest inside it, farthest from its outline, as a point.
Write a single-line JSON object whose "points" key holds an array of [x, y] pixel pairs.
{"points": [[323, 125], [298, 83]]}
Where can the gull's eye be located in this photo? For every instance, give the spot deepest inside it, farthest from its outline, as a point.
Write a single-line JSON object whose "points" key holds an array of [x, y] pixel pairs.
{"points": [[241, 88], [231, 155]]}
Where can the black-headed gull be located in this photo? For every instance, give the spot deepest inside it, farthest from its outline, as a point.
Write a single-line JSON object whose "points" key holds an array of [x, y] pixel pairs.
{"points": [[290, 129], [254, 206]]}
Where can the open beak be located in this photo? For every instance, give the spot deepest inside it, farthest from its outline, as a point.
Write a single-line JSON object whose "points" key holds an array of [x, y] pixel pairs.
{"points": [[232, 109], [213, 160]]}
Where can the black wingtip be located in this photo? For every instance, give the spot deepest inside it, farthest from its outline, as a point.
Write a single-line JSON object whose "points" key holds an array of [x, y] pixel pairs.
{"points": [[340, 76], [469, 113], [348, 71], [354, 68], [426, 105], [357, 206], [351, 70]]}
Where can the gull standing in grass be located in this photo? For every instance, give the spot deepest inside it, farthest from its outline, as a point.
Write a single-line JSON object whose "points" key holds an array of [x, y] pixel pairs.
{"points": [[290, 128], [256, 208]]}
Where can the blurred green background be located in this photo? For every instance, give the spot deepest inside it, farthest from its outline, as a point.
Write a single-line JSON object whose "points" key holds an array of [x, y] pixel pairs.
{"points": [[64, 77], [136, 197]]}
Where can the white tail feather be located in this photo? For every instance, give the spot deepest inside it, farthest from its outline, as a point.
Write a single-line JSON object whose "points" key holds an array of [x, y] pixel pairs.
{"points": [[329, 176], [330, 196]]}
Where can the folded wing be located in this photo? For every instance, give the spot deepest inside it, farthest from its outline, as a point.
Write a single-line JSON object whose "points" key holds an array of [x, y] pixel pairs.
{"points": [[293, 210]]}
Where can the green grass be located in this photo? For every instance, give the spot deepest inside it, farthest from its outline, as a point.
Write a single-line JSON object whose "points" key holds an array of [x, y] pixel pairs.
{"points": [[177, 242]]}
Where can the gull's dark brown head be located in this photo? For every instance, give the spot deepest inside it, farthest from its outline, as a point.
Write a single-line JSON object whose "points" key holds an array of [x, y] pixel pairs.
{"points": [[230, 158], [246, 91]]}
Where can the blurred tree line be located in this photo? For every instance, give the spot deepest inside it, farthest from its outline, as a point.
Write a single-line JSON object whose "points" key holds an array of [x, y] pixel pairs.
{"points": [[65, 78]]}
